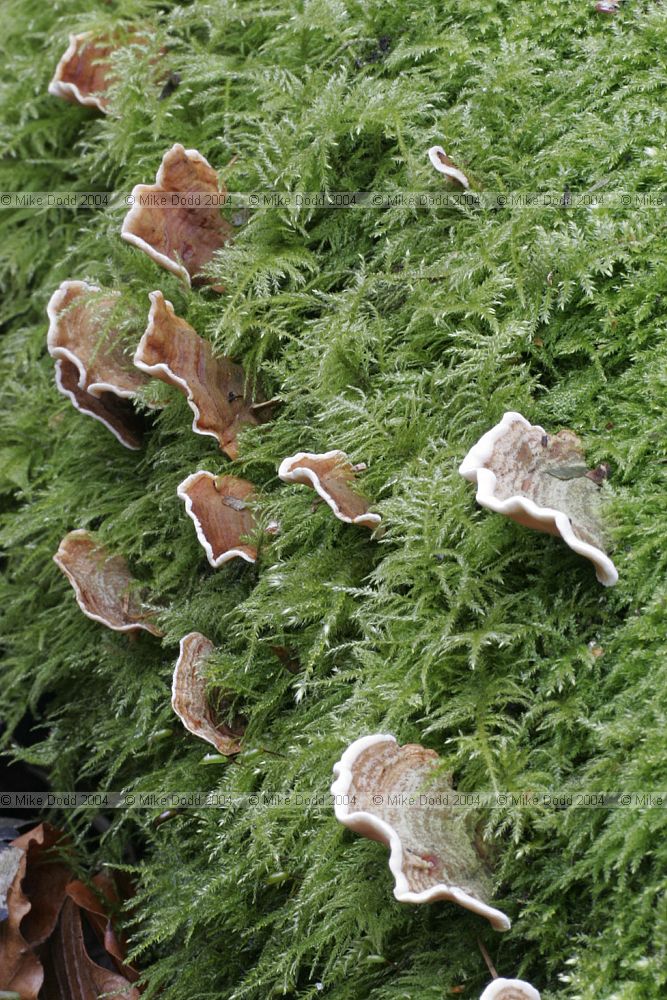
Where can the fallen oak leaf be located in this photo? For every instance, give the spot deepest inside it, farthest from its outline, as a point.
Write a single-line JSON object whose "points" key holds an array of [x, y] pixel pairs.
{"points": [[33, 901], [70, 972], [98, 904], [44, 881]]}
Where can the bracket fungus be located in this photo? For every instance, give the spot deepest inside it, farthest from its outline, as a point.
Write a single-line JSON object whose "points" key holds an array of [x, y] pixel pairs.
{"points": [[432, 852], [541, 481], [104, 587], [177, 220], [83, 74], [190, 700], [91, 367], [444, 165], [218, 506], [331, 475], [510, 989], [215, 387]]}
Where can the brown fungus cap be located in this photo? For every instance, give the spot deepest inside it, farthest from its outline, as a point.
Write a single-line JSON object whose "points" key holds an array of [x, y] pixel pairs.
{"points": [[173, 352], [218, 505], [177, 220], [92, 369], [331, 475], [444, 165], [104, 587], [84, 73], [190, 701]]}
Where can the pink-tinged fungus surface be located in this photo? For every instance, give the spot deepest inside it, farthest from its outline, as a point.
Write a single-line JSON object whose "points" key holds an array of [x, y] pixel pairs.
{"points": [[105, 589], [432, 853], [331, 475], [173, 352], [177, 220], [92, 369], [218, 505], [541, 481]]}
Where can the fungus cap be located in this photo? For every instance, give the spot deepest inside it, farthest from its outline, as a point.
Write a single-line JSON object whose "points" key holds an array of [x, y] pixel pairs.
{"points": [[330, 474], [172, 351], [432, 853], [540, 481], [102, 583], [218, 506], [183, 234], [444, 165], [190, 701]]}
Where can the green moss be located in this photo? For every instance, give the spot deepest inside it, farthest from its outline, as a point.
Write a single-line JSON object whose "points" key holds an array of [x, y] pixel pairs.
{"points": [[398, 334]]}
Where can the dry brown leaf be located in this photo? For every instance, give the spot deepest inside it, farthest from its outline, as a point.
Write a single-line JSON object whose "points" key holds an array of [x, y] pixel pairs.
{"points": [[70, 972], [33, 901]]}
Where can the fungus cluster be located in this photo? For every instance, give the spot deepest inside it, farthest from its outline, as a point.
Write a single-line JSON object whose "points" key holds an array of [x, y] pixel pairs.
{"points": [[536, 479]]}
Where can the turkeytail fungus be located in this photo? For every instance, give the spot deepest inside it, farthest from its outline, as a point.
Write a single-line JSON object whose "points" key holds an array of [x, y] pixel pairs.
{"points": [[444, 165], [190, 701], [218, 506], [173, 352], [510, 989], [541, 481], [84, 73], [92, 369], [104, 587], [177, 220], [331, 475], [432, 852]]}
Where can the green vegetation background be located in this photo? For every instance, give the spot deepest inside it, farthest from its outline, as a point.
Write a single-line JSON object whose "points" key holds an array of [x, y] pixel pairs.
{"points": [[399, 335]]}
